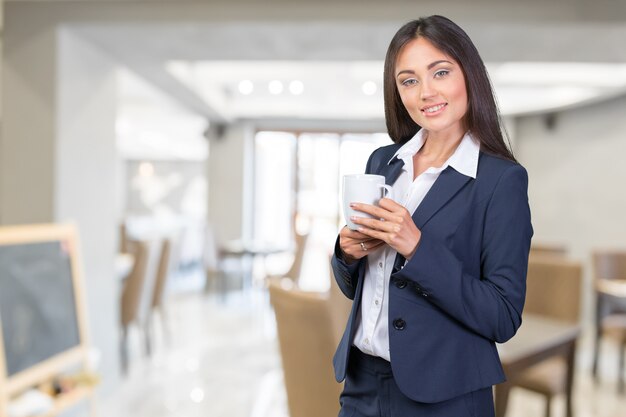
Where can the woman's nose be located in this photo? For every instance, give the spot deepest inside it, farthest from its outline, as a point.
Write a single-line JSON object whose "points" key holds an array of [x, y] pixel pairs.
{"points": [[427, 91]]}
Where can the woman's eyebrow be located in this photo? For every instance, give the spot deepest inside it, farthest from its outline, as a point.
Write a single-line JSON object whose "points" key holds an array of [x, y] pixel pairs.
{"points": [[432, 64], [405, 72]]}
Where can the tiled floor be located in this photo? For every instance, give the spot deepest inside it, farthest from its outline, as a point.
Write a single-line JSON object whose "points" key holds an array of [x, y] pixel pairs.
{"points": [[222, 359]]}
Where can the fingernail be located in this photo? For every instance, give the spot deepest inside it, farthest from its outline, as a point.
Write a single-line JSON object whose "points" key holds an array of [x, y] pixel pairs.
{"points": [[353, 218], [352, 204]]}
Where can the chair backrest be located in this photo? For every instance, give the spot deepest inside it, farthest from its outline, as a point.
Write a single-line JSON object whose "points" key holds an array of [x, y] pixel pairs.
{"points": [[554, 288], [307, 345], [163, 272], [131, 293], [138, 291], [296, 266], [123, 238], [547, 249], [609, 265], [147, 292]]}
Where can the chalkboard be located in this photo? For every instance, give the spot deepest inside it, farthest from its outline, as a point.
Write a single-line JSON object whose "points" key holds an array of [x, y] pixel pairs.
{"points": [[37, 303]]}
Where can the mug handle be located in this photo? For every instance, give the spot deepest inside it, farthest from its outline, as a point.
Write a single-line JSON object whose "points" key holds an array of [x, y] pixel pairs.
{"points": [[386, 188]]}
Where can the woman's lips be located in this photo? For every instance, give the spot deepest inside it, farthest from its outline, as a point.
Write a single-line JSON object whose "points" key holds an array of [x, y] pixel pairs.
{"points": [[433, 110]]}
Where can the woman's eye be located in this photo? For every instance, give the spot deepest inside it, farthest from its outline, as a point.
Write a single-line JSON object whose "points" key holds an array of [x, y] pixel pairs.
{"points": [[441, 73], [410, 81]]}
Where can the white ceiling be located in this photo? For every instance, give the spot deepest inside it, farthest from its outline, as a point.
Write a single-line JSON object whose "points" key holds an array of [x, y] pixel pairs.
{"points": [[535, 67], [197, 52], [150, 125], [352, 90], [542, 57]]}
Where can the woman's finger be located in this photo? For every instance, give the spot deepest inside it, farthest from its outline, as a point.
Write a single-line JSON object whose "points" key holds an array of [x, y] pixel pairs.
{"points": [[374, 234], [362, 247], [375, 211], [389, 204], [371, 247], [352, 234], [384, 226]]}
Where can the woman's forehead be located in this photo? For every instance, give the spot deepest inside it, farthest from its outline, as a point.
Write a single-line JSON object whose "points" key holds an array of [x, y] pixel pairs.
{"points": [[421, 52]]}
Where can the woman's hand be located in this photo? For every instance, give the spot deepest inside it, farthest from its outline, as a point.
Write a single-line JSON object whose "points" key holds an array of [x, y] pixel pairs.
{"points": [[356, 245], [392, 224]]}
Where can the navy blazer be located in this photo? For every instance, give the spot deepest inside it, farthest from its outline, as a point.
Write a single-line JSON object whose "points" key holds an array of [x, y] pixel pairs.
{"points": [[463, 289]]}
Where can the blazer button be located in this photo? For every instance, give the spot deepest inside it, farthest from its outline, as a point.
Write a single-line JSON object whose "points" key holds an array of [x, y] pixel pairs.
{"points": [[399, 324], [401, 284]]}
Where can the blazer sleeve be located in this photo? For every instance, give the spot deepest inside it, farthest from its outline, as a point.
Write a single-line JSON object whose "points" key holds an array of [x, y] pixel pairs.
{"points": [[491, 305], [347, 275]]}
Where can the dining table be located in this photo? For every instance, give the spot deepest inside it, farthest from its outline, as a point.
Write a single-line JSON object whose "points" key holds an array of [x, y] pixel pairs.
{"points": [[247, 252], [539, 338]]}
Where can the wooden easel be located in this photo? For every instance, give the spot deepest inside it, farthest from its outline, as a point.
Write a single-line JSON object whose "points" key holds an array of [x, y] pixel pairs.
{"points": [[75, 357]]}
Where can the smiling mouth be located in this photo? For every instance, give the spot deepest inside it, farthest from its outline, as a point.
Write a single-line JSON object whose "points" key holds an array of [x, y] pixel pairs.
{"points": [[434, 109]]}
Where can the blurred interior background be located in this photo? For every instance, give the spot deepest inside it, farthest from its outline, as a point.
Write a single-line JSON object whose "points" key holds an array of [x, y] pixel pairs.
{"points": [[199, 145]]}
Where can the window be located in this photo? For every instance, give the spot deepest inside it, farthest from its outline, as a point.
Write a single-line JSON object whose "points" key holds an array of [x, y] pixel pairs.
{"points": [[311, 200]]}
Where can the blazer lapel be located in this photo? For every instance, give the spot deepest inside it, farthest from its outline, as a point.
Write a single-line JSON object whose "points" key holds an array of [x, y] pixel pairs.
{"points": [[392, 170], [445, 187]]}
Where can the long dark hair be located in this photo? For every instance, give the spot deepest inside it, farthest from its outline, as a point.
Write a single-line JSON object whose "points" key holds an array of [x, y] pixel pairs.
{"points": [[482, 117]]}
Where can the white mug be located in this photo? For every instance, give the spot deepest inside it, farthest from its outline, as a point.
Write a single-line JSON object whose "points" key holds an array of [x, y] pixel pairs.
{"points": [[362, 188]]}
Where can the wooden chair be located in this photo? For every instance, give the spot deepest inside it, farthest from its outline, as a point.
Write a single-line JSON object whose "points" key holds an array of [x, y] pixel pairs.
{"points": [[123, 238], [296, 266], [168, 260], [609, 270], [547, 249], [131, 293], [307, 344], [163, 272], [218, 264], [553, 291], [211, 259], [137, 293]]}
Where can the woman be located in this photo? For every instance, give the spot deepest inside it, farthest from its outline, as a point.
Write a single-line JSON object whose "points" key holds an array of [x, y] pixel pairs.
{"points": [[438, 275]]}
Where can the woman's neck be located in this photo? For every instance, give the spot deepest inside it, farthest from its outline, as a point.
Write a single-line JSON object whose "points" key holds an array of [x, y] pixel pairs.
{"points": [[439, 147]]}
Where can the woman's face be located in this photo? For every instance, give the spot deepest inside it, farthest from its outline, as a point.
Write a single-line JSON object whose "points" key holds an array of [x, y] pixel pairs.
{"points": [[432, 87]]}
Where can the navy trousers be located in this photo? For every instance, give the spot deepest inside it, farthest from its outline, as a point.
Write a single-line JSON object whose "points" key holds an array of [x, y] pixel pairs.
{"points": [[371, 391]]}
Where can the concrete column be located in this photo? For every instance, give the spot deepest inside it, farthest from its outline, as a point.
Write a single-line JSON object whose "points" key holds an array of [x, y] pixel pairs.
{"points": [[85, 180], [28, 122], [230, 181], [57, 155]]}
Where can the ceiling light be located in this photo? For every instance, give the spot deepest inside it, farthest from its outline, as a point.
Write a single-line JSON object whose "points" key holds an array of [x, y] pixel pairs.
{"points": [[369, 88], [246, 87], [296, 87], [197, 395], [275, 87], [146, 169]]}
